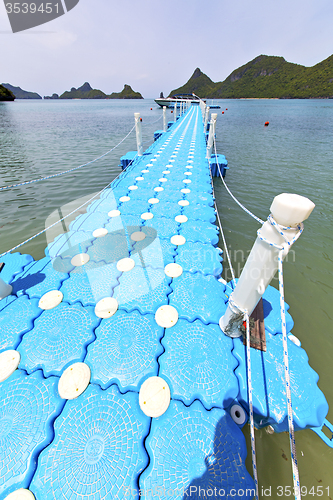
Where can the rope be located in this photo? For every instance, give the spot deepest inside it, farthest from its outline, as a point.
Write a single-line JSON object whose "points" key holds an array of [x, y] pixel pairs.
{"points": [[249, 385], [57, 222], [232, 196], [66, 171], [280, 229]]}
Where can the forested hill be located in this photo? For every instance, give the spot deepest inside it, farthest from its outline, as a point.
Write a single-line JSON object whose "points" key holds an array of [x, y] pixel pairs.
{"points": [[264, 77]]}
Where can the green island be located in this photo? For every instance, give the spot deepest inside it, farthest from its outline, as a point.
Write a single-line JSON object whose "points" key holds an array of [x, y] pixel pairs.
{"points": [[266, 77], [5, 94], [87, 92], [19, 93]]}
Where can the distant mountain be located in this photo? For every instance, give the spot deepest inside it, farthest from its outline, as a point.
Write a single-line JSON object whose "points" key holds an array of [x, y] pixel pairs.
{"points": [[267, 77], [126, 93], [53, 96], [21, 94], [198, 83], [84, 92], [5, 94]]}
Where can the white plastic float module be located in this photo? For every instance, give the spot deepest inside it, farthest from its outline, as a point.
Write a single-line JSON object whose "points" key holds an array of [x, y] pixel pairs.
{"points": [[166, 316], [50, 299], [9, 361], [106, 307]]}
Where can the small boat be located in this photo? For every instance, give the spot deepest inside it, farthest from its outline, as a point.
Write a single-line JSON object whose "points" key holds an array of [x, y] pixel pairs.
{"points": [[179, 98]]}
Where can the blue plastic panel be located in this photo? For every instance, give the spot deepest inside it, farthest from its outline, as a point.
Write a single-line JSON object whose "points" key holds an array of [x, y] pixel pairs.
{"points": [[199, 257], [14, 264], [190, 447], [125, 351], [199, 364], [59, 338], [40, 277], [28, 406], [17, 317], [196, 296], [269, 395], [91, 283], [97, 452], [145, 289], [203, 232]]}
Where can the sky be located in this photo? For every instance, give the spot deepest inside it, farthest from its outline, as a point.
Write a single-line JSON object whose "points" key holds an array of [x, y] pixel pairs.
{"points": [[155, 45]]}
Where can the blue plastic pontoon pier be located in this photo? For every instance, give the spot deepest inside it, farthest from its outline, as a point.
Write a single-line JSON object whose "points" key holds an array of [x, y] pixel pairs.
{"points": [[101, 445]]}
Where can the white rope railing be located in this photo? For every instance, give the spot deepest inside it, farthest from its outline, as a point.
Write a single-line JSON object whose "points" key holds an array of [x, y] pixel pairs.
{"points": [[3, 188]]}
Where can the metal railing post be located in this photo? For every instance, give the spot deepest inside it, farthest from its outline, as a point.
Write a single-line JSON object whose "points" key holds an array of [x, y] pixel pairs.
{"points": [[211, 135], [138, 131]]}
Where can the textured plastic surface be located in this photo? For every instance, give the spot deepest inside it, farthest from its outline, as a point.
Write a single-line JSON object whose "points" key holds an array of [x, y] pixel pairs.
{"points": [[192, 447], [60, 337], [125, 350], [28, 405], [269, 395], [199, 257], [99, 441], [199, 363]]}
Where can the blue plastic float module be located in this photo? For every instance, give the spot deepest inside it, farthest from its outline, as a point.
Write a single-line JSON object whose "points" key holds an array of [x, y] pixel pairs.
{"points": [[17, 317], [59, 338], [199, 364], [14, 264], [28, 406], [200, 257], [268, 381], [190, 448], [97, 452], [125, 351]]}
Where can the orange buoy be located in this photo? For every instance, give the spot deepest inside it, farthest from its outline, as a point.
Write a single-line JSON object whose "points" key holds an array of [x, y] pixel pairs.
{"points": [[171, 111], [151, 109], [266, 124], [222, 112], [226, 109], [140, 119]]}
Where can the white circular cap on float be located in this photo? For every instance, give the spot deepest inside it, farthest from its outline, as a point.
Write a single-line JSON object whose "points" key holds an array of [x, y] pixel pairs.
{"points": [[147, 216], [21, 494], [145, 171], [166, 172], [9, 361], [166, 316], [114, 213], [106, 307], [173, 270], [138, 236], [125, 265], [149, 165], [139, 178], [183, 203], [74, 381], [238, 414], [163, 179], [154, 397], [185, 190], [132, 188], [181, 218], [124, 198], [291, 209], [189, 166], [101, 231], [187, 173], [80, 259], [178, 239], [187, 181], [50, 299], [158, 189], [153, 201], [189, 161]]}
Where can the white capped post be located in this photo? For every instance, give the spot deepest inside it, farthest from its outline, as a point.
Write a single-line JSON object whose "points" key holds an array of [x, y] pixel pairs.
{"points": [[165, 125], [206, 118], [211, 135], [288, 211], [138, 131], [5, 289], [175, 112]]}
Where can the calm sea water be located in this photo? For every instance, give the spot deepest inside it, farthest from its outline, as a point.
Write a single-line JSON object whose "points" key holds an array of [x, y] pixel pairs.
{"points": [[293, 154]]}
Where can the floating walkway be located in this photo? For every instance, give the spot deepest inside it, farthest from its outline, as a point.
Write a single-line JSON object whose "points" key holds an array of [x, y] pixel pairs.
{"points": [[131, 293]]}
